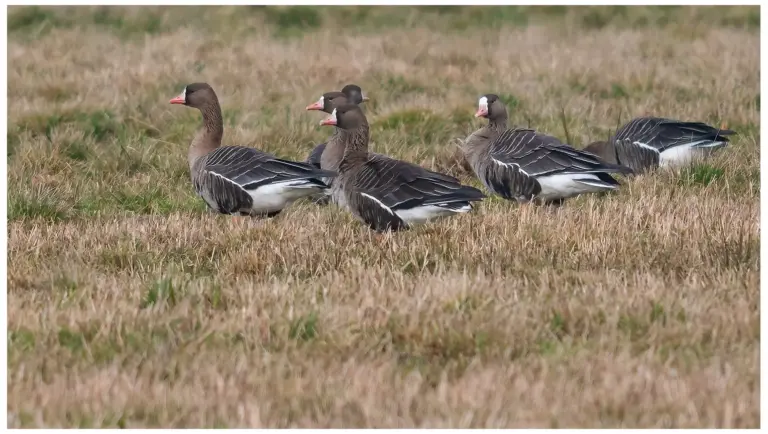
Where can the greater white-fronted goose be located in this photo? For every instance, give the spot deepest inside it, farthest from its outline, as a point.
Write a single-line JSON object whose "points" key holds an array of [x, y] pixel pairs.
{"points": [[523, 165], [330, 153], [351, 93], [648, 142], [389, 194], [239, 180]]}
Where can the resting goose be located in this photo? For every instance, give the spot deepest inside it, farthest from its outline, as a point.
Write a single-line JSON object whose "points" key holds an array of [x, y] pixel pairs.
{"points": [[330, 153], [523, 165], [649, 142], [351, 93], [388, 194], [239, 180]]}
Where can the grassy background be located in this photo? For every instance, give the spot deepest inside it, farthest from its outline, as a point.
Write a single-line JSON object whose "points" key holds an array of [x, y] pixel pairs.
{"points": [[130, 305]]}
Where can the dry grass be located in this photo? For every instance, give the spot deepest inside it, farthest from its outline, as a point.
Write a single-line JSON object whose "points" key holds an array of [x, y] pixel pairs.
{"points": [[130, 305]]}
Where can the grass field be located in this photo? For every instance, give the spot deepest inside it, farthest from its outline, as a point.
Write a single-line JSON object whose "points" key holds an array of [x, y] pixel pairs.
{"points": [[130, 305]]}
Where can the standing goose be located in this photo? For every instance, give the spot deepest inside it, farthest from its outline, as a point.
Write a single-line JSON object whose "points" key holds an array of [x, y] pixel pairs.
{"points": [[388, 194], [333, 151], [649, 142], [350, 93], [521, 164], [239, 180], [329, 160]]}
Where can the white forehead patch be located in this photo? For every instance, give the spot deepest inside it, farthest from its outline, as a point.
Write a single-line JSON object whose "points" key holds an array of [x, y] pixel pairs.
{"points": [[483, 102], [333, 114], [321, 101]]}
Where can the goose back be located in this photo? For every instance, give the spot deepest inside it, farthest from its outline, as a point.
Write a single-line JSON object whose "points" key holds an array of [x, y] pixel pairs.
{"points": [[664, 133], [392, 194], [389, 194], [240, 180], [648, 142], [236, 179]]}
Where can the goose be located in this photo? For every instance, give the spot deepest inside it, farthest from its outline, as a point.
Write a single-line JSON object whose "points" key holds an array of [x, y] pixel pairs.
{"points": [[352, 93], [332, 151], [524, 165], [239, 180], [388, 194], [650, 142]]}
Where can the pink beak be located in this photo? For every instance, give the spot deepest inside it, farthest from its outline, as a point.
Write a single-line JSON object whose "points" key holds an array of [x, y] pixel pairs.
{"points": [[328, 121], [178, 100], [481, 112], [315, 106]]}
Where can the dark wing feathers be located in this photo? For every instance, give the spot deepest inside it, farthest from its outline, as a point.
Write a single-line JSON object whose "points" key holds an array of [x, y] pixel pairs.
{"points": [[636, 157], [251, 168], [538, 154], [508, 181], [314, 157], [221, 194], [663, 133], [377, 217], [402, 185]]}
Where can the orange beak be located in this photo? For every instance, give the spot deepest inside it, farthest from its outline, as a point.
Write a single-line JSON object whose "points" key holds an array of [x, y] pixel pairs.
{"points": [[178, 100], [328, 121], [315, 106], [481, 112]]}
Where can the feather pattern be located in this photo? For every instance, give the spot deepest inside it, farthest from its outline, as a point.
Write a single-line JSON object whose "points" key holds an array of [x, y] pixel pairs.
{"points": [[237, 179], [664, 133], [403, 185], [327, 156], [672, 142], [406, 192], [314, 157], [636, 156], [520, 163], [523, 165], [241, 180]]}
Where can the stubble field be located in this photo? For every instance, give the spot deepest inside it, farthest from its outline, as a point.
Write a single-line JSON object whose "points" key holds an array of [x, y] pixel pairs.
{"points": [[130, 305]]}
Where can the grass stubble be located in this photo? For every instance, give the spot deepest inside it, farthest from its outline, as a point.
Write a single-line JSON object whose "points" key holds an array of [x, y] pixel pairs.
{"points": [[130, 305]]}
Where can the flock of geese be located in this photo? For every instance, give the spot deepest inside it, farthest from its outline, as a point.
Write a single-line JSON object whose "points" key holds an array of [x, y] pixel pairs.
{"points": [[518, 164]]}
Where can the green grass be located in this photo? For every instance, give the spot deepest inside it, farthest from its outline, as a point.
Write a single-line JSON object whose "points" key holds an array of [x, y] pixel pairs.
{"points": [[701, 175], [162, 292], [298, 20], [34, 207], [304, 328]]}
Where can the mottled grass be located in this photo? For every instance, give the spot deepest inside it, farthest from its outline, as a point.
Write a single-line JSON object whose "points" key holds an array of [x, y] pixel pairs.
{"points": [[131, 305]]}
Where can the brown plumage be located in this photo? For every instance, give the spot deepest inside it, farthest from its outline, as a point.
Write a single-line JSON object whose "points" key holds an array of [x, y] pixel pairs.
{"points": [[236, 179], [350, 93], [389, 194], [327, 156], [522, 164], [645, 143]]}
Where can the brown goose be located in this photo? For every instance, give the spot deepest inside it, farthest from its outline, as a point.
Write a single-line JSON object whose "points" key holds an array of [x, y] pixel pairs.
{"points": [[240, 180], [523, 165], [330, 153], [352, 93], [649, 142], [388, 194]]}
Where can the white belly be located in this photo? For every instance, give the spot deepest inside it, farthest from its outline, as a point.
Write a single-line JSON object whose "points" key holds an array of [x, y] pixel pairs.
{"points": [[423, 214], [562, 186], [274, 197], [683, 155]]}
